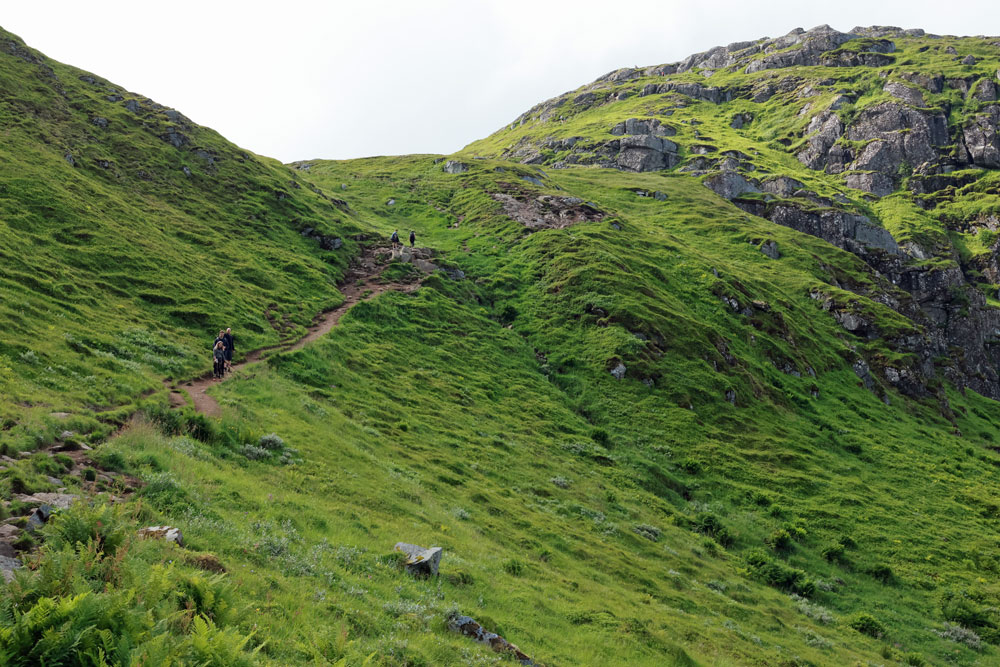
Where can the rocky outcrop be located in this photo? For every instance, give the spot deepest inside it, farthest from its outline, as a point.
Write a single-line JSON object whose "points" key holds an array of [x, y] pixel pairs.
{"points": [[536, 211], [981, 138]]}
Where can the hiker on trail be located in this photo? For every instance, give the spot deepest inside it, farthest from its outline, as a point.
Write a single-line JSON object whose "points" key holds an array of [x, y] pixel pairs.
{"points": [[395, 239], [227, 340], [219, 357], [413, 238]]}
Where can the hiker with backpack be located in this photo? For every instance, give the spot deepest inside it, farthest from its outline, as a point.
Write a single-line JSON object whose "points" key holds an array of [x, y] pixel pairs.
{"points": [[230, 343], [219, 359], [395, 239], [413, 238]]}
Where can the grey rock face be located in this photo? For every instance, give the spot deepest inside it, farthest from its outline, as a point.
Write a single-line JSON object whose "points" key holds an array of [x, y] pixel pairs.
{"points": [[782, 186], [878, 184], [981, 138], [100, 122], [770, 249], [903, 92], [455, 167], [174, 138], [730, 184], [618, 372], [133, 106], [825, 129]]}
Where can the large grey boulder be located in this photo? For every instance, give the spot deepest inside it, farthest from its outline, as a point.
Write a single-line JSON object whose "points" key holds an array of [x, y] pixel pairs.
{"points": [[421, 562]]}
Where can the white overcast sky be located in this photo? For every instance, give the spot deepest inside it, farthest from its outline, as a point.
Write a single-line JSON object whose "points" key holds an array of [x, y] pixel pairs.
{"points": [[300, 79]]}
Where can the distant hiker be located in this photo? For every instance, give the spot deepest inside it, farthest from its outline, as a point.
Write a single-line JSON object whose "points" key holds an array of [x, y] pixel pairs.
{"points": [[413, 238], [219, 357], [230, 343], [395, 239]]}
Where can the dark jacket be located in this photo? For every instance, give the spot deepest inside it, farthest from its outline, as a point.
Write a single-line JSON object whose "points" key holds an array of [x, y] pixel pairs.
{"points": [[218, 339], [219, 353], [394, 238], [413, 238], [228, 341]]}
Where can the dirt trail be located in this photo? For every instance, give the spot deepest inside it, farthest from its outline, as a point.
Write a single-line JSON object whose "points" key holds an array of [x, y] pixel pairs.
{"points": [[356, 287]]}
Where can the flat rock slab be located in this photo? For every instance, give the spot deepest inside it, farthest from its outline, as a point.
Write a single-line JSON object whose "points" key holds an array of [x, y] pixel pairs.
{"points": [[57, 500]]}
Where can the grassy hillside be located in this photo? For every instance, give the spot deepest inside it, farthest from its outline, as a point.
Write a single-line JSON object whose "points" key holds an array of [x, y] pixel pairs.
{"points": [[639, 435], [128, 237]]}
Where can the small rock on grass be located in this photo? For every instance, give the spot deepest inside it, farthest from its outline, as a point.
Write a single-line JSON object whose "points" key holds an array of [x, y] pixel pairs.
{"points": [[168, 533]]}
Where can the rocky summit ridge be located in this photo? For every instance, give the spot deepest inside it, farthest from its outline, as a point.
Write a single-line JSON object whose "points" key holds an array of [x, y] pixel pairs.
{"points": [[882, 141]]}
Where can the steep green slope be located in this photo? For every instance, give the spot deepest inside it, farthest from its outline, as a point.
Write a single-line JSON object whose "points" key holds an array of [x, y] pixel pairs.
{"points": [[128, 237], [641, 420]]}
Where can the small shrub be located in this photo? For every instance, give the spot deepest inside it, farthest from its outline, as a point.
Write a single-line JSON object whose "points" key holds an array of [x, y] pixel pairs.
{"points": [[834, 553], [709, 524], [651, 533], [867, 624], [89, 474], [255, 453], [691, 466], [957, 633], [880, 572], [271, 441], [776, 574], [513, 567], [459, 578], [601, 437], [561, 482], [914, 660], [779, 540]]}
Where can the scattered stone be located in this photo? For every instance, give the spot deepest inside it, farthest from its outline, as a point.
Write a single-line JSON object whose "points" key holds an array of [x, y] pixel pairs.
{"points": [[100, 122], [618, 372], [467, 626], [420, 562], [37, 518], [391, 202], [187, 172], [7, 531], [65, 435], [660, 196], [69, 158], [7, 567], [455, 167], [969, 60], [168, 533], [770, 249]]}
